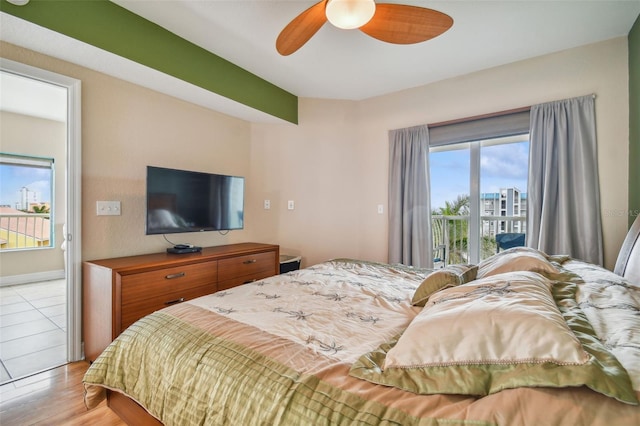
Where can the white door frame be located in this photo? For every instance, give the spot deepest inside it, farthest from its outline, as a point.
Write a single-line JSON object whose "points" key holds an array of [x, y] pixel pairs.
{"points": [[73, 219]]}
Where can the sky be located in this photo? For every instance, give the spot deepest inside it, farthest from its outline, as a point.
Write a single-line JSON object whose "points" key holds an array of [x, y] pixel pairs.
{"points": [[501, 166], [13, 178]]}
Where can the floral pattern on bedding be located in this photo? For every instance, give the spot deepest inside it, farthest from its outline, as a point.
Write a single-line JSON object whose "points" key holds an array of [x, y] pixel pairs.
{"points": [[334, 307]]}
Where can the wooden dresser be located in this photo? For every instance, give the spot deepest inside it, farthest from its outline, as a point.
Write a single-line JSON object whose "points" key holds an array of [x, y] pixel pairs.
{"points": [[119, 291]]}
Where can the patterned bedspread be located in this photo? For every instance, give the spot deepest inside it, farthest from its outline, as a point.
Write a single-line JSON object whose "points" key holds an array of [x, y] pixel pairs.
{"points": [[612, 305], [279, 351]]}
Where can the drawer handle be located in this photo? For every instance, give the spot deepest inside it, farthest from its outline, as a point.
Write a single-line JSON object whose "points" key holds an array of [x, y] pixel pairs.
{"points": [[246, 262], [173, 302], [172, 276]]}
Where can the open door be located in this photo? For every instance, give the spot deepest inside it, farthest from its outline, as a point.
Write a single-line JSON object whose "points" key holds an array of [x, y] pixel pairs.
{"points": [[62, 237]]}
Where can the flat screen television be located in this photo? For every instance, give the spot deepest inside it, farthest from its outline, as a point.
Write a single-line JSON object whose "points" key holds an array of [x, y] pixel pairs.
{"points": [[188, 201]]}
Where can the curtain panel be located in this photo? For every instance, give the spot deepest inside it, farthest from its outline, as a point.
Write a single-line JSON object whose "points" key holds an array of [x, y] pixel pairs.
{"points": [[409, 203], [563, 199]]}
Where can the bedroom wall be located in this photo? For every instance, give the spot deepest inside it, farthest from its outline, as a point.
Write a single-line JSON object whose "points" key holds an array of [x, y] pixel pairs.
{"points": [[39, 137], [318, 165], [334, 164], [126, 127]]}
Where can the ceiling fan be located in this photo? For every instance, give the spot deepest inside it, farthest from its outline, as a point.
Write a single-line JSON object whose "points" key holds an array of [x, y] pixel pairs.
{"points": [[393, 23]]}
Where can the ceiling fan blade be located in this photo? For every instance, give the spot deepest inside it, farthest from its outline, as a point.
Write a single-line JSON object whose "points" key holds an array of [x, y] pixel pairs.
{"points": [[404, 24], [301, 29]]}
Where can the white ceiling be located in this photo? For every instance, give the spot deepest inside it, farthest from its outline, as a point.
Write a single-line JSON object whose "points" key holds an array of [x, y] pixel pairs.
{"points": [[347, 64], [22, 95]]}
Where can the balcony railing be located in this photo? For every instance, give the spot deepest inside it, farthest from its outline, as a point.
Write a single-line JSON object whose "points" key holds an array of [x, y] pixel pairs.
{"points": [[25, 230], [450, 236]]}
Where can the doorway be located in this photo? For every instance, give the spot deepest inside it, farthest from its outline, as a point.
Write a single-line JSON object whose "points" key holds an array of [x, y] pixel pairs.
{"points": [[29, 276]]}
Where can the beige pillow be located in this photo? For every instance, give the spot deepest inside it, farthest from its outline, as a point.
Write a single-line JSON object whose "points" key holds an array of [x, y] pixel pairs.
{"points": [[505, 318], [516, 259], [450, 276], [507, 331]]}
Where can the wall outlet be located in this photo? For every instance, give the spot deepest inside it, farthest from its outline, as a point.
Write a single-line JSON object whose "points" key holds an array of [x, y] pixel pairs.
{"points": [[108, 208], [291, 205], [267, 204]]}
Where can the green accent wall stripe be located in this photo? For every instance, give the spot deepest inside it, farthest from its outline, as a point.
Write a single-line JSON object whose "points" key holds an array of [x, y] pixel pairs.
{"points": [[634, 119], [112, 28]]}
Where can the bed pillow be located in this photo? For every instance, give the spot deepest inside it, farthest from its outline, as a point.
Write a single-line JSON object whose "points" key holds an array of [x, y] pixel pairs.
{"points": [[497, 333], [451, 276], [508, 318], [516, 259]]}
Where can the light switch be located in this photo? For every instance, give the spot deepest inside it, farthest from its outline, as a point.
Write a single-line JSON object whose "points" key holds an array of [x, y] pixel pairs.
{"points": [[108, 208], [291, 205], [380, 208]]}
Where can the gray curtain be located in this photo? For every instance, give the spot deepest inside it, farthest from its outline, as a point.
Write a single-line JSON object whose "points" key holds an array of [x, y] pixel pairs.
{"points": [[409, 203], [563, 199]]}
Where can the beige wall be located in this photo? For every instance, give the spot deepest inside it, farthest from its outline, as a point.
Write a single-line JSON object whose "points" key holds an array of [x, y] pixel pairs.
{"points": [[335, 163], [126, 127], [316, 164], [38, 137]]}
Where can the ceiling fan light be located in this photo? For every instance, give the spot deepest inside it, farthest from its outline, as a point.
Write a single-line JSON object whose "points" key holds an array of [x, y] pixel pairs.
{"points": [[350, 14]]}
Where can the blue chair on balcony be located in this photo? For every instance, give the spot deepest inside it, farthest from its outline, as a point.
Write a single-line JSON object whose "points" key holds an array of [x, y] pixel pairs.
{"points": [[508, 240], [440, 256]]}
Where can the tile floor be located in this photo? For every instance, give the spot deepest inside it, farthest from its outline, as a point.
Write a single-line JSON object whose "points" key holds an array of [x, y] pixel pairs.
{"points": [[33, 328]]}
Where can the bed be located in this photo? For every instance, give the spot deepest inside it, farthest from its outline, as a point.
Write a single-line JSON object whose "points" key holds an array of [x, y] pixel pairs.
{"points": [[523, 338]]}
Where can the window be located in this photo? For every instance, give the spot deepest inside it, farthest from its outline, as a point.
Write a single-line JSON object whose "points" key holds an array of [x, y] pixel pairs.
{"points": [[26, 202], [478, 190]]}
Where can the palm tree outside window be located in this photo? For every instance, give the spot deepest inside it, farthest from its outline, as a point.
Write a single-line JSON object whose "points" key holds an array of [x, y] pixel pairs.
{"points": [[478, 189]]}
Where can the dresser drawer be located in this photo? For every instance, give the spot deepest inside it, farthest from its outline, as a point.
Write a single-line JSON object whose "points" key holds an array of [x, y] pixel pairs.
{"points": [[167, 281], [244, 269], [137, 308], [147, 292], [246, 265], [236, 281]]}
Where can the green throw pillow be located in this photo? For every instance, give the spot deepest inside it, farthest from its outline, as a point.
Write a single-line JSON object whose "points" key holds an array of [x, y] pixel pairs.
{"points": [[451, 276]]}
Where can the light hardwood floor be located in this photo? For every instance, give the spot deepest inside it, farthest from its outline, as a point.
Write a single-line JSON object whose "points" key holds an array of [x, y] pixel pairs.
{"points": [[53, 397]]}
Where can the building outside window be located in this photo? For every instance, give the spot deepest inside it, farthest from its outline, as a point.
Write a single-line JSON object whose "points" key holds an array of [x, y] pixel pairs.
{"points": [[477, 193], [506, 202], [26, 202]]}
